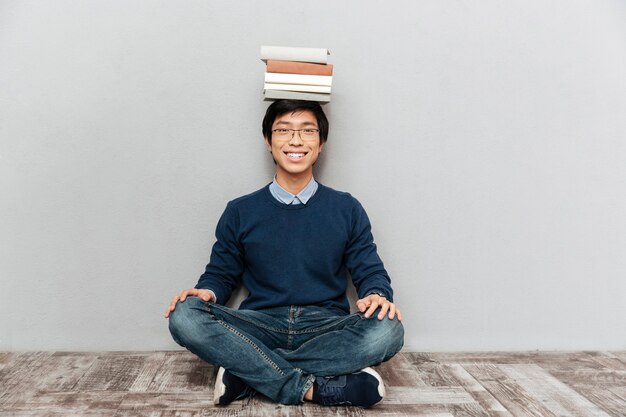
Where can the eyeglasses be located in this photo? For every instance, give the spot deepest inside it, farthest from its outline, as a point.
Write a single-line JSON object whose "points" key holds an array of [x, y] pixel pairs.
{"points": [[304, 133]]}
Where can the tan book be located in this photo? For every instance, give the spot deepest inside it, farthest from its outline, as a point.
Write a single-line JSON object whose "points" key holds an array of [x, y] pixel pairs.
{"points": [[293, 67]]}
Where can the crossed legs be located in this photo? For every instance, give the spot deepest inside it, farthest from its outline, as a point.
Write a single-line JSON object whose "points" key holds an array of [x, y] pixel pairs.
{"points": [[280, 351]]}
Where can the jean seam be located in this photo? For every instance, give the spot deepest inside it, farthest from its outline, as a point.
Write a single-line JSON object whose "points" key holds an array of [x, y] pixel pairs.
{"points": [[290, 332], [320, 329], [254, 345], [254, 323]]}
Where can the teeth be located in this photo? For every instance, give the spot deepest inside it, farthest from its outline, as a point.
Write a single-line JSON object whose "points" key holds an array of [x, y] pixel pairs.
{"points": [[295, 155]]}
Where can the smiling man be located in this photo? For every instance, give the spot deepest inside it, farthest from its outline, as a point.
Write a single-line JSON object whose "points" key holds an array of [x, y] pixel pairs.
{"points": [[292, 244]]}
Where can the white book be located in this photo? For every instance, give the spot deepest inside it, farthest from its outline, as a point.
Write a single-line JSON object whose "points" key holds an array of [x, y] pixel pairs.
{"points": [[296, 95], [288, 53], [277, 78], [298, 87]]}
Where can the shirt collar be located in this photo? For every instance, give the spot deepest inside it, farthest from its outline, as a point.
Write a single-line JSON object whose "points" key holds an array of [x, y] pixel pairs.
{"points": [[286, 197]]}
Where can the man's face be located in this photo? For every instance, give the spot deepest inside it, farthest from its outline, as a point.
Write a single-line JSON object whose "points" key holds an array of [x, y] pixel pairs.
{"points": [[295, 153]]}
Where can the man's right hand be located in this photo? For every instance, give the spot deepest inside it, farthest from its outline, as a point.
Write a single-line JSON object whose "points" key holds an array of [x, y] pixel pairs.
{"points": [[205, 295]]}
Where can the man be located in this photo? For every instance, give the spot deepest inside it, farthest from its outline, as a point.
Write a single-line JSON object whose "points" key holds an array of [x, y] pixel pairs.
{"points": [[290, 244]]}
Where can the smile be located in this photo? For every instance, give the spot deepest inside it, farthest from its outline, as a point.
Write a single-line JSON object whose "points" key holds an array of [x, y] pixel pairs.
{"points": [[295, 156]]}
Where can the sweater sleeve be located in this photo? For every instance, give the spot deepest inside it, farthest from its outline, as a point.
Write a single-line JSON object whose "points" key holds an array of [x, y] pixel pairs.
{"points": [[223, 273], [362, 260]]}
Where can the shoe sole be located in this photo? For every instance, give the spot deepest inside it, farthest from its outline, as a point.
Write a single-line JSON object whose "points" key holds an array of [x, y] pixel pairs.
{"points": [[381, 384], [220, 388]]}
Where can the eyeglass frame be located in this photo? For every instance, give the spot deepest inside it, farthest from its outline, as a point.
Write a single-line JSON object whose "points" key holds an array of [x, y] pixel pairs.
{"points": [[314, 135]]}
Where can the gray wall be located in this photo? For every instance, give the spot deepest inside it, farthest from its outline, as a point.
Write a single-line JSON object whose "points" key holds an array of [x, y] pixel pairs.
{"points": [[486, 139]]}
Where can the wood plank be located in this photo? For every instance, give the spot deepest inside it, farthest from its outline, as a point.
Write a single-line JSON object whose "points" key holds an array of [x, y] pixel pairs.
{"points": [[567, 360], [8, 399], [429, 410], [153, 363], [428, 395], [604, 378], [146, 402], [215, 412], [605, 398], [71, 402], [155, 413], [5, 358], [590, 376], [262, 407], [484, 357], [506, 391], [400, 372], [419, 358], [573, 361], [554, 394], [47, 413], [620, 391], [408, 410], [436, 374], [182, 372], [467, 410], [608, 360], [112, 371], [62, 370], [487, 401], [621, 355], [21, 370]]}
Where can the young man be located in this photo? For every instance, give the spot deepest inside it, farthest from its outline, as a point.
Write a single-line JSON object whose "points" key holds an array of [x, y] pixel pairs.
{"points": [[290, 244]]}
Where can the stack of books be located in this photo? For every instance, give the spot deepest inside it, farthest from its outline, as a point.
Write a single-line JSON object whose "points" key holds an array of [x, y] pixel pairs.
{"points": [[297, 73]]}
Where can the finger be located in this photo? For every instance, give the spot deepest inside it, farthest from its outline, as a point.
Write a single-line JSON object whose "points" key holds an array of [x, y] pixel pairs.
{"points": [[184, 294], [383, 310], [399, 314], [392, 311], [205, 295], [172, 306], [372, 308], [363, 303]]}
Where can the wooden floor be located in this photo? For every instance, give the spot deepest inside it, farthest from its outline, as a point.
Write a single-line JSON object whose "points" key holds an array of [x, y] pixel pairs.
{"points": [[167, 384]]}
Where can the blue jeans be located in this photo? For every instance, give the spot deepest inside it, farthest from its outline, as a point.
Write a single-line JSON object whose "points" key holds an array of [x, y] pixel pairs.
{"points": [[279, 351]]}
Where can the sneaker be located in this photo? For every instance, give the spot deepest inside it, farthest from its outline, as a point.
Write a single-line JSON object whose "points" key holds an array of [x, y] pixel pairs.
{"points": [[229, 388], [362, 389]]}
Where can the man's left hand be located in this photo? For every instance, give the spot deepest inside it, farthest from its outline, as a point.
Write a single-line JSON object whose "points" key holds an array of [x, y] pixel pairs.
{"points": [[370, 303]]}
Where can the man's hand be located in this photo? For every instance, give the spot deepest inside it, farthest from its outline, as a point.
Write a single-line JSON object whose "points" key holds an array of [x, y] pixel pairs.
{"points": [[370, 303], [205, 295]]}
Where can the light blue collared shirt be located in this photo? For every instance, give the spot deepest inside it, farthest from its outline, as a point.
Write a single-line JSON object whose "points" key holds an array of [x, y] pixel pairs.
{"points": [[286, 197]]}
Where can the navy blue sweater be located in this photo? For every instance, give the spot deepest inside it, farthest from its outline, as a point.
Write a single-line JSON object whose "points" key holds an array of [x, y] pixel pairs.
{"points": [[295, 254]]}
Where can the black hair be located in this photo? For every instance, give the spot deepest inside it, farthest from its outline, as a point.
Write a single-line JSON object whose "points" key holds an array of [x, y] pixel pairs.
{"points": [[280, 107]]}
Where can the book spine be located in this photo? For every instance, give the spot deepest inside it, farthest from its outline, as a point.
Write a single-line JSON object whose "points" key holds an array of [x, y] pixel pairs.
{"points": [[296, 95], [275, 78], [292, 67], [285, 53], [298, 87]]}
